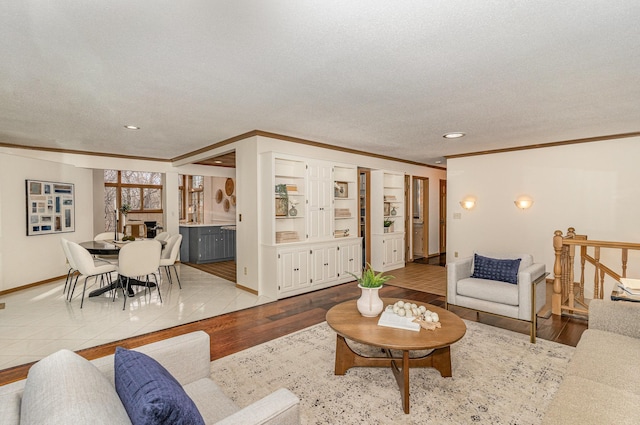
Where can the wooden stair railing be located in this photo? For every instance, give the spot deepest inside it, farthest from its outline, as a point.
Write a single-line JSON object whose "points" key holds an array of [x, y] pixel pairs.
{"points": [[568, 295]]}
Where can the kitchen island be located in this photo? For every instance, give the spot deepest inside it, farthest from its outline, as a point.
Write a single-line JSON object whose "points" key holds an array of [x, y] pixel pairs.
{"points": [[208, 243]]}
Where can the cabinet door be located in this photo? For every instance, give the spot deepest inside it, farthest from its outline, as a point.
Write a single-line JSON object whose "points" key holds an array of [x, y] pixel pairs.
{"points": [[320, 185], [393, 250], [292, 270], [350, 259], [324, 261], [320, 190], [319, 223], [229, 243], [206, 246]]}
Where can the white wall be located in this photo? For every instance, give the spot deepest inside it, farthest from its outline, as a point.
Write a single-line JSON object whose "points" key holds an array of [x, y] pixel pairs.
{"points": [[214, 211], [594, 187], [28, 259]]}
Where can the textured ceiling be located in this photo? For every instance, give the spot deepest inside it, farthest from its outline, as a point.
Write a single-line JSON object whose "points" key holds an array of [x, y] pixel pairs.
{"points": [[379, 76]]}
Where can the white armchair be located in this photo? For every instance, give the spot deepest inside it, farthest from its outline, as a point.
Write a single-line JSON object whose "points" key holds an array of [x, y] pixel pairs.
{"points": [[521, 301]]}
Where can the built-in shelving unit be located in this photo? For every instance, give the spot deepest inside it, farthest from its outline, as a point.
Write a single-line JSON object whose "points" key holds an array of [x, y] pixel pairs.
{"points": [[314, 245], [387, 207]]}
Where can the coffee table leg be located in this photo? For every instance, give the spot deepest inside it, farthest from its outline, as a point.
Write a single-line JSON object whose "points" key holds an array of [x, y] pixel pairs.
{"points": [[441, 361], [402, 378], [344, 356]]}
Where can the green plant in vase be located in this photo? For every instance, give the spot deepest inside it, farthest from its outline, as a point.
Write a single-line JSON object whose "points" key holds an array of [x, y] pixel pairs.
{"points": [[387, 225], [369, 304], [124, 210], [369, 278]]}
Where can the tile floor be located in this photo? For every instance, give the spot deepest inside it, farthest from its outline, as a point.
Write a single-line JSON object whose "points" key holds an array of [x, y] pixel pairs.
{"points": [[39, 321]]}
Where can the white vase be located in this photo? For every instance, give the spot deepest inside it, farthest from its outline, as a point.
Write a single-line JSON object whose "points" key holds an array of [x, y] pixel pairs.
{"points": [[369, 304]]}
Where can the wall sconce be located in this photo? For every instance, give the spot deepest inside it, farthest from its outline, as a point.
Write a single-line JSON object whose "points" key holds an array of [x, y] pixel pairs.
{"points": [[523, 202], [468, 203]]}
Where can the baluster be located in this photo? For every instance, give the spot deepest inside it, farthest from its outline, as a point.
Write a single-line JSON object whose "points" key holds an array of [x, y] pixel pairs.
{"points": [[556, 298], [583, 259], [570, 266], [625, 257], [596, 285], [601, 288]]}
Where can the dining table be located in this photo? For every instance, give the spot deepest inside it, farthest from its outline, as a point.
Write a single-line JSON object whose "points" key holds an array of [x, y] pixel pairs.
{"points": [[112, 247]]}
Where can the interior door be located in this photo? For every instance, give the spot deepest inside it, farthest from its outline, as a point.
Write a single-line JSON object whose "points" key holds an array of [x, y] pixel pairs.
{"points": [[443, 217]]}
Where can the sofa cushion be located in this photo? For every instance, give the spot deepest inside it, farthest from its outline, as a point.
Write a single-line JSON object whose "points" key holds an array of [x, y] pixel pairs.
{"points": [[503, 270], [608, 358], [149, 393], [488, 290], [582, 401], [64, 388]]}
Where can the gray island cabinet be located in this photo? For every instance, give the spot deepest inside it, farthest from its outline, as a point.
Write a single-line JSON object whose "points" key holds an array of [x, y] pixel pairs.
{"points": [[207, 243]]}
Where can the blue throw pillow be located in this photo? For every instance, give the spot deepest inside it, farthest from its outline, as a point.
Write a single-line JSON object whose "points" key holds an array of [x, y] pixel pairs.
{"points": [[150, 395], [495, 269]]}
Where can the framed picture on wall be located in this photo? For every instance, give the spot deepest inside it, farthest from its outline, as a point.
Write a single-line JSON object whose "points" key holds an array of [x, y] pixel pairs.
{"points": [[50, 207]]}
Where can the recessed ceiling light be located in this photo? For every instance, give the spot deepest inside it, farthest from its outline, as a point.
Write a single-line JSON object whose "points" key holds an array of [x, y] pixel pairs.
{"points": [[453, 135], [217, 161], [438, 162], [132, 127]]}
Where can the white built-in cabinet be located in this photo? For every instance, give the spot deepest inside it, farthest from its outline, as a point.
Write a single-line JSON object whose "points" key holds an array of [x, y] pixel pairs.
{"points": [[316, 244], [387, 205]]}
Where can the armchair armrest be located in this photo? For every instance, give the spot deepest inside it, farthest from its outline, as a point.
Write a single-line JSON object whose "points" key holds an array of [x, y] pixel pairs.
{"points": [[279, 407], [621, 317], [456, 271], [526, 278]]}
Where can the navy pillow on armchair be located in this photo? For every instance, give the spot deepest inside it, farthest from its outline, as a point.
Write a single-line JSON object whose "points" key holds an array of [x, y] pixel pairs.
{"points": [[495, 269], [149, 393]]}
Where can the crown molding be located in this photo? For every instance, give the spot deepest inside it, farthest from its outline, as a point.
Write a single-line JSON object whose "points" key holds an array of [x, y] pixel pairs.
{"points": [[547, 145], [78, 152], [302, 142]]}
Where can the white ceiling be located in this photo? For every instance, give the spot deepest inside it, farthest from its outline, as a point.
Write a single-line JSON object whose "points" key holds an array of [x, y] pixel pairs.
{"points": [[389, 77]]}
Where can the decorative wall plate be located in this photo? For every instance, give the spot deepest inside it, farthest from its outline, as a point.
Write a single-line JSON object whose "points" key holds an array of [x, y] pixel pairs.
{"points": [[229, 186], [233, 200], [225, 205], [219, 196]]}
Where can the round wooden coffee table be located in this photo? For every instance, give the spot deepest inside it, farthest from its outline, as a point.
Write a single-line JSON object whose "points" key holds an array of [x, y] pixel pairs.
{"points": [[348, 323]]}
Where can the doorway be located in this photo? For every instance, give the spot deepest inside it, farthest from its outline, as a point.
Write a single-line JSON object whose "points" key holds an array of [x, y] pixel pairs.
{"points": [[420, 217], [443, 217], [364, 210]]}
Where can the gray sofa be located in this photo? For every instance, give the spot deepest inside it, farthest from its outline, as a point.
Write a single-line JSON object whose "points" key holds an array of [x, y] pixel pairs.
{"points": [[66, 389], [602, 382]]}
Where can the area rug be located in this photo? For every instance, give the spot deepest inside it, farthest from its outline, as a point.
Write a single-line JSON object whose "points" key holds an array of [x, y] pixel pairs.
{"points": [[498, 378]]}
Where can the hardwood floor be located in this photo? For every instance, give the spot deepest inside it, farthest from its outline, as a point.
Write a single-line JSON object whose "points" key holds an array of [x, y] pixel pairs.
{"points": [[223, 269], [240, 330]]}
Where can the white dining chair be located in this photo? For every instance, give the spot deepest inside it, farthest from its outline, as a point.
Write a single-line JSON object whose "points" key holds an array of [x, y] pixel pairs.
{"points": [[85, 265], [138, 259], [169, 257], [72, 264], [107, 236], [162, 236]]}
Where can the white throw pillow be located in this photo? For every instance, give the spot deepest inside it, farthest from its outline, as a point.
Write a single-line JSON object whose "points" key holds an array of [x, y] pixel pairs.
{"points": [[64, 389]]}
